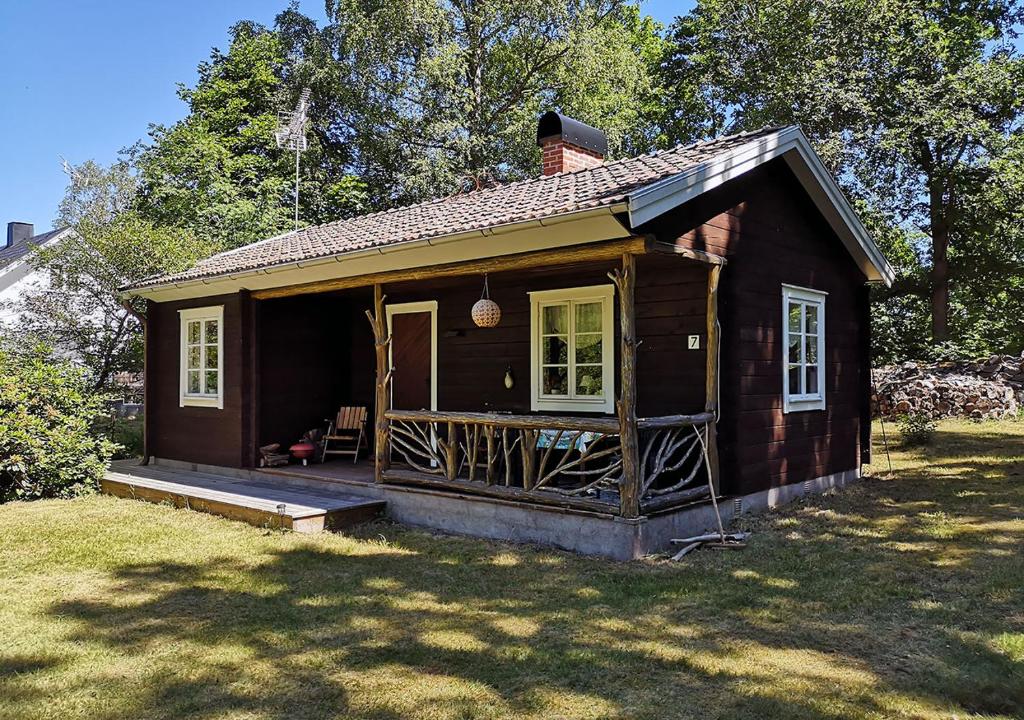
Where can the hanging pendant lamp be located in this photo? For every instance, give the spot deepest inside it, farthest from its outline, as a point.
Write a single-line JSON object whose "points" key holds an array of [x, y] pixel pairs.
{"points": [[485, 312]]}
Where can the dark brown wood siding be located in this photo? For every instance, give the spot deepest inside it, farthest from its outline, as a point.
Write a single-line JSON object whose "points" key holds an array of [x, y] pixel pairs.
{"points": [[209, 436], [472, 361], [771, 233]]}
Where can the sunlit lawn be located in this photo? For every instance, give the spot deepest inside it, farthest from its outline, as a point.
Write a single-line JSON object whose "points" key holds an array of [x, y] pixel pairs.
{"points": [[901, 597]]}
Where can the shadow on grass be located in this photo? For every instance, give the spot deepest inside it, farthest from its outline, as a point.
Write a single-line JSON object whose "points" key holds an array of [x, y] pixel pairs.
{"points": [[878, 601]]}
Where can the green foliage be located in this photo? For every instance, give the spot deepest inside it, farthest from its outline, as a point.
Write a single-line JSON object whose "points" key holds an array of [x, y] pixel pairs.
{"points": [[916, 429], [219, 173], [915, 105], [126, 434], [80, 311], [49, 446], [429, 97]]}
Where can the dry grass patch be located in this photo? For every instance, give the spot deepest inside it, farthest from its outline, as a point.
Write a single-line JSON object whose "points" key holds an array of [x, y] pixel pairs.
{"points": [[897, 598]]}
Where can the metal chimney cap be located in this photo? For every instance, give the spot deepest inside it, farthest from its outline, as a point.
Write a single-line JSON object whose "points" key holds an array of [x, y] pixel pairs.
{"points": [[570, 130]]}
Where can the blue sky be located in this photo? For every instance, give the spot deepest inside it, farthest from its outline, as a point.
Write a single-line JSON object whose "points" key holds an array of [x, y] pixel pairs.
{"points": [[82, 79]]}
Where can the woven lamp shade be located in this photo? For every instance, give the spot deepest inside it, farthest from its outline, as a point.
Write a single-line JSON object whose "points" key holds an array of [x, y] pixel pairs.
{"points": [[486, 313]]}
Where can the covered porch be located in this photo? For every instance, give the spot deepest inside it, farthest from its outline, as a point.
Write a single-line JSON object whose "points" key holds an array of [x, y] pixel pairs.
{"points": [[619, 420]]}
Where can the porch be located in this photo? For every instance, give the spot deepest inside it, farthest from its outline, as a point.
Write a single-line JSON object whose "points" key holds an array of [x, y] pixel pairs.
{"points": [[338, 494], [455, 408]]}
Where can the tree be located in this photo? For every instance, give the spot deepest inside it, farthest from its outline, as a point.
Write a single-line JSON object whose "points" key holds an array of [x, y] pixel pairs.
{"points": [[909, 101], [79, 311], [436, 95], [219, 172]]}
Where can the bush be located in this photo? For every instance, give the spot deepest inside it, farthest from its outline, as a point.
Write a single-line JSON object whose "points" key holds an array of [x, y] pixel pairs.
{"points": [[126, 434], [50, 445], [917, 429]]}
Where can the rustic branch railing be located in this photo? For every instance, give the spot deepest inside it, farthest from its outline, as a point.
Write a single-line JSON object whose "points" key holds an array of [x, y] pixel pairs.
{"points": [[674, 461], [569, 461]]}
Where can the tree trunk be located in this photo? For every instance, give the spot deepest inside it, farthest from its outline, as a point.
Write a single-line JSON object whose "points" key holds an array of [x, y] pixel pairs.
{"points": [[939, 220]]}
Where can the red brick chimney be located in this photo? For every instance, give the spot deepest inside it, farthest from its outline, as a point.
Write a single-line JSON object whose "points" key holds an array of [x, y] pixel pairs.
{"points": [[567, 144]]}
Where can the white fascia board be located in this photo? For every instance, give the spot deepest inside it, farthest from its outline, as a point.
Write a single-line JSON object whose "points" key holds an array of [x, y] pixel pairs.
{"points": [[790, 143], [572, 228]]}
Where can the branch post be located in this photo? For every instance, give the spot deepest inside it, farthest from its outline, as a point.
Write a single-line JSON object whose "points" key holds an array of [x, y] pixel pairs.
{"points": [[382, 346], [711, 385], [629, 487]]}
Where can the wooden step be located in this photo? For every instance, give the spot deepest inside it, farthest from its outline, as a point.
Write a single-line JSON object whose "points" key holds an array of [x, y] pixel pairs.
{"points": [[256, 503]]}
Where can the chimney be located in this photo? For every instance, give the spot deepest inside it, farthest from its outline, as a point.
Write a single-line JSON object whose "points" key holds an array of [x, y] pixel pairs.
{"points": [[568, 144], [18, 232]]}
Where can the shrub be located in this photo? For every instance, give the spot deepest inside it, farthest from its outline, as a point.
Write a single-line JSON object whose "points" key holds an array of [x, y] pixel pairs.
{"points": [[917, 429], [126, 434], [50, 445]]}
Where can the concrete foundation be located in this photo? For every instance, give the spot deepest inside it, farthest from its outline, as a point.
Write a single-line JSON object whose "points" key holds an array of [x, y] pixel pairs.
{"points": [[580, 531]]}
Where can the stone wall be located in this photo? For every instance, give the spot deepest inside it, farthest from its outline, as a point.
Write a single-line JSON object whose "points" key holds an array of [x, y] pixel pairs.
{"points": [[989, 388]]}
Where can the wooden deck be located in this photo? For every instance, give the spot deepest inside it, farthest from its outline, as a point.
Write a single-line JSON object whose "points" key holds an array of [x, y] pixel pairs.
{"points": [[257, 502]]}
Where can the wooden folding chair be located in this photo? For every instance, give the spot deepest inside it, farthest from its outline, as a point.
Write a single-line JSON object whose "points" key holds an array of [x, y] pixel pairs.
{"points": [[348, 426]]}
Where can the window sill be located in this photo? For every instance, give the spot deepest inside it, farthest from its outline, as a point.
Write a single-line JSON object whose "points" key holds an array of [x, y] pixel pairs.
{"points": [[793, 406], [573, 406], [211, 402]]}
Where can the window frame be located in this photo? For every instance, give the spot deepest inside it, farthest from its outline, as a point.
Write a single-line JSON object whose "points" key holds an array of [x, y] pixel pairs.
{"points": [[203, 315], [800, 402], [604, 294]]}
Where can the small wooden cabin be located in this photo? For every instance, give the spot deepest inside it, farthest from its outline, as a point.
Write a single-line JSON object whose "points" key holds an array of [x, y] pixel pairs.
{"points": [[695, 313]]}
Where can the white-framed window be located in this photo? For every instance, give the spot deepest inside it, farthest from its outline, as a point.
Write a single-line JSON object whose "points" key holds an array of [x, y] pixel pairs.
{"points": [[202, 356], [571, 343], [803, 348]]}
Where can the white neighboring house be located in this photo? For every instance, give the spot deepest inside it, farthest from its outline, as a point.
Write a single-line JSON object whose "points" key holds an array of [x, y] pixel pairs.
{"points": [[17, 275]]}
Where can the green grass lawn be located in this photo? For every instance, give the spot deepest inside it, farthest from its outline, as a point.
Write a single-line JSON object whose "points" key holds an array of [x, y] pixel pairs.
{"points": [[900, 597]]}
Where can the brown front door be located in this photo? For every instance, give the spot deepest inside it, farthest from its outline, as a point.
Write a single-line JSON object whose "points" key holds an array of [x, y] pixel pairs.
{"points": [[411, 361]]}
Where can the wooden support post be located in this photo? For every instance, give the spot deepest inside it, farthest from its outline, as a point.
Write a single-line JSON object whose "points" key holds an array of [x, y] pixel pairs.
{"points": [[382, 344], [711, 384], [629, 488], [451, 453], [148, 382]]}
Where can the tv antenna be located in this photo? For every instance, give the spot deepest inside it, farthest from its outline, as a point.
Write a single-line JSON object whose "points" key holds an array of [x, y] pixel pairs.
{"points": [[291, 134]]}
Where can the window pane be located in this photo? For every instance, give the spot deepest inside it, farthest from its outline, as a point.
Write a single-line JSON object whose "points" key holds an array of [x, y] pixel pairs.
{"points": [[193, 357], [589, 380], [556, 320], [812, 350], [211, 331], [794, 317], [211, 357], [211, 382], [193, 331], [794, 348], [588, 348], [555, 380], [811, 318], [193, 382], [812, 380], [588, 317], [554, 351], [794, 380]]}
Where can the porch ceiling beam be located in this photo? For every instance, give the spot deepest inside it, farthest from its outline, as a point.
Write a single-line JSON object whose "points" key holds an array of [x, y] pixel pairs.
{"points": [[667, 248], [587, 252]]}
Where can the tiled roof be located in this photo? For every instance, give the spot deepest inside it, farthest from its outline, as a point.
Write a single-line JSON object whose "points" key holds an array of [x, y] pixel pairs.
{"points": [[541, 197], [9, 255]]}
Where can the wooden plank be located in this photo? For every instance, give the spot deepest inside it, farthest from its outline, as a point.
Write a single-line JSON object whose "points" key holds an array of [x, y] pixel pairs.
{"points": [[525, 422], [382, 342], [711, 384], [658, 246], [539, 497], [631, 483], [149, 379], [253, 496], [675, 420], [522, 261]]}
